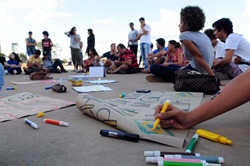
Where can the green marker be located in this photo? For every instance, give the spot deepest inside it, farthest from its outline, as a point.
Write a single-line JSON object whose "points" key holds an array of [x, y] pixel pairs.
{"points": [[170, 163], [192, 143]]}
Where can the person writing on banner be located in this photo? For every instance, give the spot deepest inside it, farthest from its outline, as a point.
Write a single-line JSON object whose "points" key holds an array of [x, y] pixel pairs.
{"points": [[236, 92]]}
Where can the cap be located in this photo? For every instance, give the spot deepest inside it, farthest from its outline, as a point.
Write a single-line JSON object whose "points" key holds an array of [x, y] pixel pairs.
{"points": [[131, 137], [153, 159], [221, 160], [149, 153], [61, 123]]}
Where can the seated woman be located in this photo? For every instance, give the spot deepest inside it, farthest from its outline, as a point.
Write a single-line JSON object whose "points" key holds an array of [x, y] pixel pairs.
{"points": [[14, 64], [174, 60], [93, 59], [197, 46]]}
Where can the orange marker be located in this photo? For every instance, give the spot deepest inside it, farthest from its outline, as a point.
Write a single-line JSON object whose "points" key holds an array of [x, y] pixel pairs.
{"points": [[56, 122]]}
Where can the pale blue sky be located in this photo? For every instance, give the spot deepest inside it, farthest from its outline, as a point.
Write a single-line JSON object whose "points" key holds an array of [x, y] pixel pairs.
{"points": [[109, 19]]}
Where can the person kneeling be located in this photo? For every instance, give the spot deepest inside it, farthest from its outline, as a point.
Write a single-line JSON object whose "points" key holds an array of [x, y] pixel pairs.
{"points": [[126, 64], [47, 64]]}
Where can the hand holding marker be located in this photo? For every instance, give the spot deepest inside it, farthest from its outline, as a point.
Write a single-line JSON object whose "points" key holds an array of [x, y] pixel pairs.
{"points": [[164, 109]]}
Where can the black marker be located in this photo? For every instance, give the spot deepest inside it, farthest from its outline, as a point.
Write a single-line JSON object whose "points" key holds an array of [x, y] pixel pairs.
{"points": [[120, 135]]}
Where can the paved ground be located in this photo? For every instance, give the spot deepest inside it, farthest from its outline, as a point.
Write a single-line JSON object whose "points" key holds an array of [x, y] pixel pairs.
{"points": [[81, 144]]}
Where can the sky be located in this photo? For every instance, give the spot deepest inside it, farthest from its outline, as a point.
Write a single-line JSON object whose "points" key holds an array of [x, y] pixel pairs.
{"points": [[109, 20]]}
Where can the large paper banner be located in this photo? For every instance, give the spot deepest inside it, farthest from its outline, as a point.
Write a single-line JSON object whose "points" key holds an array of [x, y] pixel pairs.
{"points": [[24, 104], [135, 113]]}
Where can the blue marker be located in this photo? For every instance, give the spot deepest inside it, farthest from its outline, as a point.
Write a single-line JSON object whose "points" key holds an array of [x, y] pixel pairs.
{"points": [[32, 124], [11, 88], [48, 87]]}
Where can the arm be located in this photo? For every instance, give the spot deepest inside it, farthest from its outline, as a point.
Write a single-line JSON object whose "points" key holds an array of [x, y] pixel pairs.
{"points": [[179, 63], [159, 54], [235, 93], [66, 33], [225, 61], [197, 56]]}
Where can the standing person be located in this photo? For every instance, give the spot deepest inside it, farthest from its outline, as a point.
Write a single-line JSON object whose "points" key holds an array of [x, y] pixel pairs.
{"points": [[14, 64], [90, 40], [47, 44], [145, 41], [30, 45], [236, 46], [75, 48], [132, 39], [81, 55], [197, 46]]}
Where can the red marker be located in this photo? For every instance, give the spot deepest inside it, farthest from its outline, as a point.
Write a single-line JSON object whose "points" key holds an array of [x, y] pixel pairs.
{"points": [[56, 122]]}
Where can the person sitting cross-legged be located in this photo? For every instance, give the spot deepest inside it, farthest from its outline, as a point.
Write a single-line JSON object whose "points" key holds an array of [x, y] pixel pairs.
{"points": [[48, 64], [14, 64], [174, 61], [34, 63], [126, 64], [111, 56], [157, 56]]}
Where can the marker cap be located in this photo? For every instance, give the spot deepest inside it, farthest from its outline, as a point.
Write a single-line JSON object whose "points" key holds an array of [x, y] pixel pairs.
{"points": [[149, 153], [153, 159], [131, 137], [34, 125], [221, 159], [161, 163], [61, 123]]}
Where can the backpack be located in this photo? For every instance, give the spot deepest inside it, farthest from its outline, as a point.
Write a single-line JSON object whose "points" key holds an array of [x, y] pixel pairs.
{"points": [[40, 74]]}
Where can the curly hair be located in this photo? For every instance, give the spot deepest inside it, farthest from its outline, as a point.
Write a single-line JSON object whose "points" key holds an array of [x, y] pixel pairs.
{"points": [[193, 17]]}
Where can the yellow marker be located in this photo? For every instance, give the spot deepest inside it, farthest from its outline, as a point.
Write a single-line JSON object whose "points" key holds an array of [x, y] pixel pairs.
{"points": [[164, 109], [213, 137]]}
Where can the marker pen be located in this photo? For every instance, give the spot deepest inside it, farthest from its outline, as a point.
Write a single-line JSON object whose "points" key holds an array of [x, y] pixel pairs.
{"points": [[120, 135], [213, 137], [48, 87], [157, 159], [159, 153], [171, 163], [32, 124], [11, 88], [192, 143], [164, 109], [56, 122], [209, 159]]}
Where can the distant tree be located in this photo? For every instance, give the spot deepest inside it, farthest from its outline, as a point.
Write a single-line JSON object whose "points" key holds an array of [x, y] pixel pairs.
{"points": [[2, 55], [39, 46], [23, 57]]}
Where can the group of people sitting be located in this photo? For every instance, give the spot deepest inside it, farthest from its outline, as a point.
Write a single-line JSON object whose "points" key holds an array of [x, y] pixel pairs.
{"points": [[34, 63]]}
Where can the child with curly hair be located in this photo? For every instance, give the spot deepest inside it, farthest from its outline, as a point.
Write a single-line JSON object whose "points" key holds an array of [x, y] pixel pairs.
{"points": [[197, 46]]}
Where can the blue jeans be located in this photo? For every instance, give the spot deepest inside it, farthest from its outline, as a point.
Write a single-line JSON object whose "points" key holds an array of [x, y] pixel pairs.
{"points": [[145, 48], [1, 76], [167, 73]]}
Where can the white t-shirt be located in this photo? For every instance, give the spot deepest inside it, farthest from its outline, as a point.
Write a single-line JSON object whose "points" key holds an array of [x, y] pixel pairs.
{"points": [[219, 50], [241, 48], [146, 38]]}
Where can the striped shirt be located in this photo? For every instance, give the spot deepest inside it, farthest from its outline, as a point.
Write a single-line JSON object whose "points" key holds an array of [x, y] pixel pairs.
{"points": [[127, 56]]}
